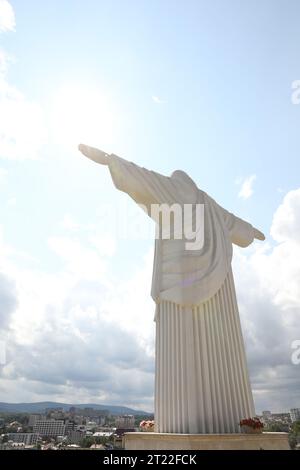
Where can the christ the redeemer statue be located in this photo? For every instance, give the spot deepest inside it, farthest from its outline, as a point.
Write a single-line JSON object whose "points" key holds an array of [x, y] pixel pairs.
{"points": [[201, 378]]}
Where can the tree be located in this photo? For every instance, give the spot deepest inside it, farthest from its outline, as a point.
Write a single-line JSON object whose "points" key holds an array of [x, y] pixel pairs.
{"points": [[294, 436], [275, 427], [86, 442], [295, 428]]}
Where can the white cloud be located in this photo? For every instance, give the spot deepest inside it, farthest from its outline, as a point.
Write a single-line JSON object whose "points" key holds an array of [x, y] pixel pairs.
{"points": [[286, 221], [21, 123], [69, 224], [246, 190], [21, 120], [79, 112], [8, 300], [7, 16], [12, 202], [4, 61], [268, 289], [94, 333], [80, 260], [157, 100], [3, 175]]}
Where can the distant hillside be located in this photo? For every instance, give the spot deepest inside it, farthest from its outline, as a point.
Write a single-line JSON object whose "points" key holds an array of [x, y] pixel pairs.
{"points": [[40, 407]]}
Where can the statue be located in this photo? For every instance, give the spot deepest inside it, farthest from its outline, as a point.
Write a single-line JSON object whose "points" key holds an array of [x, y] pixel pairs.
{"points": [[201, 378]]}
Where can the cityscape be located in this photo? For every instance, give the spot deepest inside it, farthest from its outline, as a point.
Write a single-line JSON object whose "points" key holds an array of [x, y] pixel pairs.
{"points": [[96, 429], [58, 429]]}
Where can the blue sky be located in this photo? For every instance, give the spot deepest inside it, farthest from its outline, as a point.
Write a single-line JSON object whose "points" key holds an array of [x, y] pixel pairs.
{"points": [[203, 86]]}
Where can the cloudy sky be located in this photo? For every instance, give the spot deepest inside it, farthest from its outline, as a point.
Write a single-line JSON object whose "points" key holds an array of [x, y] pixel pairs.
{"points": [[209, 87]]}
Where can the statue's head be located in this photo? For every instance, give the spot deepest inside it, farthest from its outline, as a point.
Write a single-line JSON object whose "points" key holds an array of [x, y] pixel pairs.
{"points": [[183, 177]]}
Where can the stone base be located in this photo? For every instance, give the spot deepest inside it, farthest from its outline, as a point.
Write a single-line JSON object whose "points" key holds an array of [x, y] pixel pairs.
{"points": [[166, 441]]}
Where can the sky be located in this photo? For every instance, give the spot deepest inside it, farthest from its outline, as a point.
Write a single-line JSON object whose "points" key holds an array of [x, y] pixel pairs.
{"points": [[209, 87]]}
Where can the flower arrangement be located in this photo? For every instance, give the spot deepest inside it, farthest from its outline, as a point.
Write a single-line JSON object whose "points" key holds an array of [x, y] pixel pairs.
{"points": [[251, 425], [147, 426]]}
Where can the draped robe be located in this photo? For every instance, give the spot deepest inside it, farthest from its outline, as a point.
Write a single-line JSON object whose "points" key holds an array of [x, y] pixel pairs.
{"points": [[201, 377]]}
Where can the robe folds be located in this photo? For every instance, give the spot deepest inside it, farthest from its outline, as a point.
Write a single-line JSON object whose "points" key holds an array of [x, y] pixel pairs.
{"points": [[201, 377]]}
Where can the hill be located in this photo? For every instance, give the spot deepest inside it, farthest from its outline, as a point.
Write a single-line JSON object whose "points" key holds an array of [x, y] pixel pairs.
{"points": [[40, 407]]}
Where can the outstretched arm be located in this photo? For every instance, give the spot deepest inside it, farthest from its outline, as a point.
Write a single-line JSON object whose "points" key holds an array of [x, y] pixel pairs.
{"points": [[94, 154], [144, 186], [241, 232]]}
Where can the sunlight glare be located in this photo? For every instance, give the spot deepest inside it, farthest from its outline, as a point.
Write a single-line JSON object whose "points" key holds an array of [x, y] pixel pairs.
{"points": [[80, 114]]}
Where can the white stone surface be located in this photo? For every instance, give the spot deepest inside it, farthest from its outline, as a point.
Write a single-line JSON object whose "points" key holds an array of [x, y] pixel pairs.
{"points": [[202, 384], [156, 441]]}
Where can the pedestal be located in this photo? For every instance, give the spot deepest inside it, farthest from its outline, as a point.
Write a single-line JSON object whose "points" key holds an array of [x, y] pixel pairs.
{"points": [[166, 441]]}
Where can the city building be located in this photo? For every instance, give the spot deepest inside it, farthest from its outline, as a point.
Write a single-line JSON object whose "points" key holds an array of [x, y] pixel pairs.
{"points": [[103, 434], [91, 425], [50, 427], [273, 418], [125, 421], [55, 413], [295, 414], [99, 420], [69, 425], [33, 418], [27, 438], [75, 436], [283, 417], [266, 415]]}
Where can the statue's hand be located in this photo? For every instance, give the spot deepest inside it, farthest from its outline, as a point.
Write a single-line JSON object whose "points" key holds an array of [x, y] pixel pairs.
{"points": [[259, 235], [94, 154]]}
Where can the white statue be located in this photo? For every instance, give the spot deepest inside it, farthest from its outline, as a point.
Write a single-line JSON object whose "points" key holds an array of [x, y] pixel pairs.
{"points": [[201, 377]]}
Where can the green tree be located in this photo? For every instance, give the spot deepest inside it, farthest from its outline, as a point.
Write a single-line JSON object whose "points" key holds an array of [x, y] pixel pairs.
{"points": [[295, 428], [294, 436], [86, 442], [275, 427]]}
